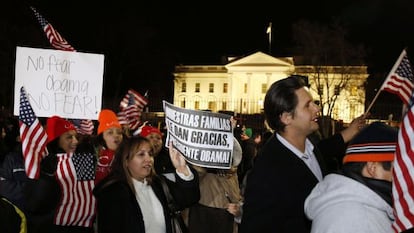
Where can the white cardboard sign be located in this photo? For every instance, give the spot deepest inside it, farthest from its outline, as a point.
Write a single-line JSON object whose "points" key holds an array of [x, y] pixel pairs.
{"points": [[64, 83]]}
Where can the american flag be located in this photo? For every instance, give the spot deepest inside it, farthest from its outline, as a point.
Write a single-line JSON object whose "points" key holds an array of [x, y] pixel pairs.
{"points": [[138, 99], [131, 107], [400, 80], [132, 113], [75, 174], [33, 136], [55, 39], [83, 126], [122, 118], [58, 42], [403, 174]]}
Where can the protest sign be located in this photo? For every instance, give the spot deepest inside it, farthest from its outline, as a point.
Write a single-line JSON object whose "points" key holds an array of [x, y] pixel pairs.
{"points": [[64, 83], [204, 138]]}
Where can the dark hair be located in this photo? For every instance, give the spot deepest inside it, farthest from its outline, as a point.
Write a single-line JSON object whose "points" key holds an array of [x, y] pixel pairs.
{"points": [[12, 132], [349, 169], [125, 152], [53, 147], [100, 141], [280, 98]]}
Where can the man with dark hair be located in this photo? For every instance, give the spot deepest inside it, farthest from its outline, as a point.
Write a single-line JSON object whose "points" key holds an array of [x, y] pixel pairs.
{"points": [[359, 199], [288, 165]]}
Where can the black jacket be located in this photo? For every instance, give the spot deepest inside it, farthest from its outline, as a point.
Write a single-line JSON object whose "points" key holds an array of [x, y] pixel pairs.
{"points": [[119, 211], [13, 178], [278, 186]]}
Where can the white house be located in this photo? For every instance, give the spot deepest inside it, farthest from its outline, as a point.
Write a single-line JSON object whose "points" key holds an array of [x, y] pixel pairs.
{"points": [[240, 85]]}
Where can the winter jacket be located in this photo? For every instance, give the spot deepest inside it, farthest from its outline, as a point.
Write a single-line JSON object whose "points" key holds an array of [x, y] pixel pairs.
{"points": [[339, 204], [118, 209], [277, 187], [13, 178]]}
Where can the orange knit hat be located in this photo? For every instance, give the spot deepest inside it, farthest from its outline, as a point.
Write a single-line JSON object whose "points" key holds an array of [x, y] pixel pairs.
{"points": [[56, 126], [107, 119]]}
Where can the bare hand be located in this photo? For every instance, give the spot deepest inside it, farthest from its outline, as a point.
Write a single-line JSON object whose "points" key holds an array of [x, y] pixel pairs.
{"points": [[233, 122], [354, 127], [178, 160], [234, 209]]}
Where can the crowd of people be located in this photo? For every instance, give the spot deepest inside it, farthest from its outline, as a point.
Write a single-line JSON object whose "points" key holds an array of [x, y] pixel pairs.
{"points": [[279, 181]]}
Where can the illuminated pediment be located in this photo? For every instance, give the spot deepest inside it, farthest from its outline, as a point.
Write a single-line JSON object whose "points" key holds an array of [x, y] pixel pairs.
{"points": [[260, 59]]}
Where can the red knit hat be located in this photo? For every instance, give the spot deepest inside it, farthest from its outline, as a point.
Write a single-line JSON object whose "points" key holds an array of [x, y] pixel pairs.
{"points": [[146, 130], [107, 119], [56, 126]]}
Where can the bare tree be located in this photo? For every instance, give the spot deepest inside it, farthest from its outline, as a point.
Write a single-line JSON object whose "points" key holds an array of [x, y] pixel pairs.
{"points": [[330, 61]]}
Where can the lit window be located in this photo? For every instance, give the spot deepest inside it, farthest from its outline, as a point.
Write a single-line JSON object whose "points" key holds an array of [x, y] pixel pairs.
{"points": [[264, 88], [224, 105], [245, 88], [225, 87], [197, 105], [197, 87], [183, 103], [211, 87], [212, 105], [183, 87]]}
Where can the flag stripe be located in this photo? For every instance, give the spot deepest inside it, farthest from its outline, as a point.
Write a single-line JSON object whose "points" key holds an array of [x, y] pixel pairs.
{"points": [[36, 137], [76, 192], [400, 80], [132, 106], [140, 100], [77, 205], [403, 171], [400, 86], [58, 42], [403, 192], [33, 137], [55, 39], [83, 126]]}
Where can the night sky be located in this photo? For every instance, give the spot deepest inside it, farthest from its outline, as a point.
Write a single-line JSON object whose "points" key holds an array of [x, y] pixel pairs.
{"points": [[142, 42]]}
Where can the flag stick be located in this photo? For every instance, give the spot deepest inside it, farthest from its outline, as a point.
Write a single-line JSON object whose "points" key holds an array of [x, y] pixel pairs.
{"points": [[269, 31], [403, 53], [372, 102]]}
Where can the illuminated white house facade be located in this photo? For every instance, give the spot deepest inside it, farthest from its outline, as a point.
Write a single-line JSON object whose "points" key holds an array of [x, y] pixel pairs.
{"points": [[240, 86]]}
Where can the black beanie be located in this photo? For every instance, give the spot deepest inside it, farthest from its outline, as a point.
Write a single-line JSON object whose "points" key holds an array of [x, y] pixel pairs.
{"points": [[374, 143]]}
